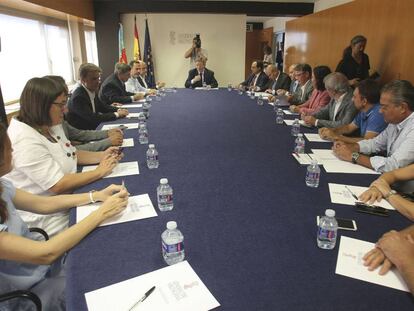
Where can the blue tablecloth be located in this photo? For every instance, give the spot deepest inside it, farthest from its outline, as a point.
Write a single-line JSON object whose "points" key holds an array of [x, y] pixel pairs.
{"points": [[240, 199]]}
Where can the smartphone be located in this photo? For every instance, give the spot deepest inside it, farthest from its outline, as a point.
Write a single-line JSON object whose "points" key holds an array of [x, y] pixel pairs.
{"points": [[343, 224], [120, 149], [371, 209]]}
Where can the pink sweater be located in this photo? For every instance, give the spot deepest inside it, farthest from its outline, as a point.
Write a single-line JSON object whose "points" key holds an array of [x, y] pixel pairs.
{"points": [[318, 100]]}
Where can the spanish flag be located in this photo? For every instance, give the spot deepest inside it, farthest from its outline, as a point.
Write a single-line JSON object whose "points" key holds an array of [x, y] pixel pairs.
{"points": [[137, 54]]}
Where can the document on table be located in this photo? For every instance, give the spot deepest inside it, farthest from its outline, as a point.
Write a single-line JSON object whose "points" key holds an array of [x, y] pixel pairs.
{"points": [[132, 115], [290, 122], [315, 138], [302, 158], [131, 106], [139, 101], [128, 142], [263, 94], [341, 195], [288, 112], [206, 88], [128, 126], [121, 169], [350, 264], [177, 288]]}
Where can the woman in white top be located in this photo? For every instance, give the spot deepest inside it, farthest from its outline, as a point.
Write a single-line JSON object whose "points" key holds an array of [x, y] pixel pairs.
{"points": [[268, 57], [44, 160]]}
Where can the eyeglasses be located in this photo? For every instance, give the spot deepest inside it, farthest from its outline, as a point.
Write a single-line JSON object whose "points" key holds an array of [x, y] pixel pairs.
{"points": [[61, 105], [297, 74]]}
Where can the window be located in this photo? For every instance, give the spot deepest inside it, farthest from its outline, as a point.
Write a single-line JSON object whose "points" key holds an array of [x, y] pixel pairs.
{"points": [[32, 48], [91, 47]]}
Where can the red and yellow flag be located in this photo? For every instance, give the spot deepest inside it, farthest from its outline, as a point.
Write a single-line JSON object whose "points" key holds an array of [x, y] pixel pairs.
{"points": [[137, 54]]}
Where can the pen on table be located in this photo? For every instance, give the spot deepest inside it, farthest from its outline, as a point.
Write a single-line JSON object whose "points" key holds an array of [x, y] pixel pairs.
{"points": [[143, 298], [355, 197]]}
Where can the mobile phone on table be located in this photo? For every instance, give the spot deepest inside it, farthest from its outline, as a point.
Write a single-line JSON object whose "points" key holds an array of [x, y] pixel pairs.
{"points": [[371, 209], [343, 224]]}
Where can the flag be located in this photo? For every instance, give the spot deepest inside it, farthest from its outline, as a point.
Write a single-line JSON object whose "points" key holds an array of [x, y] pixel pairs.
{"points": [[122, 51], [148, 58], [137, 55]]}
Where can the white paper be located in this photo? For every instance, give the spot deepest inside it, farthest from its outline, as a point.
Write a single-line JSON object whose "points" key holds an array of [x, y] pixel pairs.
{"points": [[341, 195], [340, 166], [139, 101], [129, 126], [316, 138], [206, 88], [121, 169], [131, 106], [288, 112], [133, 115], [323, 155], [302, 158], [290, 122], [139, 207], [127, 142], [263, 94], [177, 288], [350, 264]]}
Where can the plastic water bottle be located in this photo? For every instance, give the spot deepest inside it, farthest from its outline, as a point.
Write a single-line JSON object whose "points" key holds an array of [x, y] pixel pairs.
{"points": [[295, 127], [240, 91], [145, 110], [172, 244], [252, 94], [279, 116], [158, 97], [327, 230], [148, 100], [260, 100], [141, 118], [165, 196], [312, 174], [143, 134], [152, 157], [299, 144]]}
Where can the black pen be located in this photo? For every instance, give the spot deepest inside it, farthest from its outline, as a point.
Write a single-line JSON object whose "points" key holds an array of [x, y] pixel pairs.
{"points": [[355, 197], [143, 298]]}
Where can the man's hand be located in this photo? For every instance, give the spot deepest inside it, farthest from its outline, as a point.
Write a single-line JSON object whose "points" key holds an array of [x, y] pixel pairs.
{"points": [[398, 248], [375, 258], [294, 108], [371, 195], [122, 113], [328, 134], [116, 105], [197, 78], [309, 120], [382, 186], [138, 96], [342, 150]]}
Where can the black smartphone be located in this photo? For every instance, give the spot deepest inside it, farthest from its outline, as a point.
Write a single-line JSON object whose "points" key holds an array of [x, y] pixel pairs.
{"points": [[344, 224], [371, 209]]}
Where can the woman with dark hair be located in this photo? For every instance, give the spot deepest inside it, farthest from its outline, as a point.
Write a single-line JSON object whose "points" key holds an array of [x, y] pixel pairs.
{"points": [[267, 58], [319, 98], [45, 162], [355, 63], [28, 264]]}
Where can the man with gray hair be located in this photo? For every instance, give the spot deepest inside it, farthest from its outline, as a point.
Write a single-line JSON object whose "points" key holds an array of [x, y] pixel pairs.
{"points": [[396, 142], [113, 88], [340, 109], [277, 79]]}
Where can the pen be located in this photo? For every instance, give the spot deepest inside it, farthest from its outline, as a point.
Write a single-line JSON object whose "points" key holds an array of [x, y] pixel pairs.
{"points": [[143, 298], [355, 197]]}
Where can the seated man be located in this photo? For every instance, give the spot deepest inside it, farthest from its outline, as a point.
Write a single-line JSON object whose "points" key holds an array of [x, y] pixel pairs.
{"points": [[369, 121], [146, 80], [303, 74], [133, 85], [277, 79], [200, 76], [85, 110], [340, 109], [396, 142], [257, 80], [113, 88]]}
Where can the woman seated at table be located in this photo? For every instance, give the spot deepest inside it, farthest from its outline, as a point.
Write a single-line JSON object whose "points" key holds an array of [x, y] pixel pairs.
{"points": [[44, 160], [28, 264], [319, 98]]}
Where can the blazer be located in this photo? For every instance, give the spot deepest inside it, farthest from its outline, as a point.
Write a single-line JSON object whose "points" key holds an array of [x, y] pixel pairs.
{"points": [[282, 82], [208, 78], [261, 82], [113, 91], [297, 97], [345, 115], [80, 113], [316, 102], [89, 140]]}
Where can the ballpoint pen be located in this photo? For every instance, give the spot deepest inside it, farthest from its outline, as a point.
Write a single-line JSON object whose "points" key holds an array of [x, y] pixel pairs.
{"points": [[143, 298], [355, 197]]}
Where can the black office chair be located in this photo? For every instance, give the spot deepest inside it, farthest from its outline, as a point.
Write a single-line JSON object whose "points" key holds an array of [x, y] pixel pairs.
{"points": [[25, 294]]}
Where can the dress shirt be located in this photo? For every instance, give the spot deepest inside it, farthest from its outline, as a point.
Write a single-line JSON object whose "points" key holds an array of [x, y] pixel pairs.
{"points": [[338, 104], [302, 88], [133, 86], [397, 140], [92, 97]]}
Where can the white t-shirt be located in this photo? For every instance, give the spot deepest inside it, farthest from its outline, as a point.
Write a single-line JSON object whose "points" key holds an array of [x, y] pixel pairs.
{"points": [[38, 165]]}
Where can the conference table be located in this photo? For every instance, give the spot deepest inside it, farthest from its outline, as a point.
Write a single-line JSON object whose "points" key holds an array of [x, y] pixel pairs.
{"points": [[240, 199]]}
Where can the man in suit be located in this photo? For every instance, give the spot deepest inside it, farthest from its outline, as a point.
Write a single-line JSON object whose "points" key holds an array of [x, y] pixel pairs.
{"points": [[200, 75], [135, 83], [303, 74], [277, 79], [113, 88], [340, 109], [85, 110], [257, 80], [144, 80]]}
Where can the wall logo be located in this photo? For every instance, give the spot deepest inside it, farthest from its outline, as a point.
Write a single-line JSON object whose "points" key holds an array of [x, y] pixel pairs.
{"points": [[181, 38]]}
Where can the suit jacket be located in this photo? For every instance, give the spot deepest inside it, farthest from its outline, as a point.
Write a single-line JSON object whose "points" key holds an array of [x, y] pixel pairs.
{"points": [[90, 140], [80, 113], [345, 115], [261, 82], [208, 78], [113, 91], [282, 82], [297, 97]]}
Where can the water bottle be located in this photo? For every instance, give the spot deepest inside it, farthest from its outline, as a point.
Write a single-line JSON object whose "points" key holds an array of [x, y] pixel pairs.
{"points": [[252, 93], [229, 87], [158, 97], [172, 244], [152, 157], [295, 127], [145, 110], [143, 134], [148, 100], [260, 100], [241, 91], [165, 196], [299, 144], [312, 174], [279, 116], [328, 227], [141, 118], [174, 89]]}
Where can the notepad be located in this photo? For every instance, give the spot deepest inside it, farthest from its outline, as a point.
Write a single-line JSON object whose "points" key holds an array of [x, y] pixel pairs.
{"points": [[128, 126], [315, 138], [131, 106], [133, 115], [288, 112], [127, 142], [121, 169]]}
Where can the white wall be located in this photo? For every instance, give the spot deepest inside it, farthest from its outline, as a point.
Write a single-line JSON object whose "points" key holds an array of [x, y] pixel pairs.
{"points": [[223, 36], [321, 5], [278, 23]]}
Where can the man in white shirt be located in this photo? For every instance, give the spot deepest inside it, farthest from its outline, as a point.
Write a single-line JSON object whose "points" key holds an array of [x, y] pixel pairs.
{"points": [[304, 89], [133, 84]]}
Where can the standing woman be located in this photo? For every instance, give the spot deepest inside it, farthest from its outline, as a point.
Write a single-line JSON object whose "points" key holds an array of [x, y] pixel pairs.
{"points": [[355, 63], [267, 58]]}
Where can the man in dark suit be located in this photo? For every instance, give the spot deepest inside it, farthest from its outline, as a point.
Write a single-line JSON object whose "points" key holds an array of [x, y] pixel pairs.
{"points": [[85, 110], [277, 79], [113, 88], [200, 76], [257, 80]]}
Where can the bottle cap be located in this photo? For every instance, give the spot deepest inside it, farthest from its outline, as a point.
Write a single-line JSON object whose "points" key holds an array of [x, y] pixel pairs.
{"points": [[300, 135], [171, 225], [296, 119], [163, 181], [330, 213], [151, 146], [314, 162]]}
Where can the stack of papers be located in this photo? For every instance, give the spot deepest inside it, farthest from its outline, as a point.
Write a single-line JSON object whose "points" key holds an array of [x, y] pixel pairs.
{"points": [[121, 169], [316, 138], [128, 126], [126, 106], [177, 288]]}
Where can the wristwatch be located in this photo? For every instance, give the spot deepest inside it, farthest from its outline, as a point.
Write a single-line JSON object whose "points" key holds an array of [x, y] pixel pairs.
{"points": [[392, 192], [355, 156]]}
